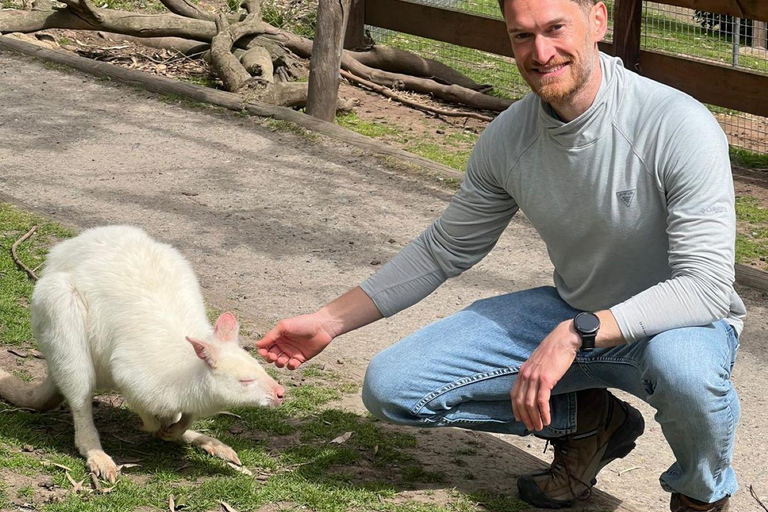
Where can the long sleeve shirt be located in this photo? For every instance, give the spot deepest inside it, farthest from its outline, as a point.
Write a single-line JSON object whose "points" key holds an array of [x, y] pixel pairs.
{"points": [[633, 199]]}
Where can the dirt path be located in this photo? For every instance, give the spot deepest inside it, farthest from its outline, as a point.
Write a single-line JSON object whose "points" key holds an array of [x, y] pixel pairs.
{"points": [[276, 225]]}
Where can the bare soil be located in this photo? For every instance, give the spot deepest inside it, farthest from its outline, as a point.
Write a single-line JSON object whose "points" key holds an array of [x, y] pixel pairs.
{"points": [[276, 225]]}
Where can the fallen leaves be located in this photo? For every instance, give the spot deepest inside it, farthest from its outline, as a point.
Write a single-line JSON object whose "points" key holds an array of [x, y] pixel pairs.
{"points": [[342, 438]]}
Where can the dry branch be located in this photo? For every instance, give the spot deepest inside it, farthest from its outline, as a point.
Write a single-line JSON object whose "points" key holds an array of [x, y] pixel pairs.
{"points": [[173, 25], [15, 256], [187, 9], [227, 66], [186, 46], [405, 101], [457, 94], [395, 60], [258, 62]]}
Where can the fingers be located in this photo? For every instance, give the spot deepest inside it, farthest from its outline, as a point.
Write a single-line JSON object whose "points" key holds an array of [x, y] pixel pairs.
{"points": [[544, 396], [530, 400]]}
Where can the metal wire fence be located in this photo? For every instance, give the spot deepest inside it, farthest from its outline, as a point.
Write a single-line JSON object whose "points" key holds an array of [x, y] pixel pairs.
{"points": [[674, 30]]}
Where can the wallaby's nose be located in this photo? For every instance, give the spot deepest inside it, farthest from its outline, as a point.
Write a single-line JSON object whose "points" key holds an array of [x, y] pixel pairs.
{"points": [[279, 394]]}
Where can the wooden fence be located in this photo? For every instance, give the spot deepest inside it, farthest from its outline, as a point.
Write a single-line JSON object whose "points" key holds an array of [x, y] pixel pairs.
{"points": [[708, 82]]}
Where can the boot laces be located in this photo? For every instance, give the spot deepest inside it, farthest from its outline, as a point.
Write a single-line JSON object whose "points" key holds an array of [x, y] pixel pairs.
{"points": [[560, 466]]}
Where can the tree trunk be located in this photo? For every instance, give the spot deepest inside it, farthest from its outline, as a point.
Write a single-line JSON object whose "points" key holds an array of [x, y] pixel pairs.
{"points": [[326, 58]]}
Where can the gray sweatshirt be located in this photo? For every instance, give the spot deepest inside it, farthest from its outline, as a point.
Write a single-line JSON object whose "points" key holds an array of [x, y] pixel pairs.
{"points": [[634, 200]]}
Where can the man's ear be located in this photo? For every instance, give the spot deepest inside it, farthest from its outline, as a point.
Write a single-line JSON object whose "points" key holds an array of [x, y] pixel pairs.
{"points": [[205, 351], [598, 20]]}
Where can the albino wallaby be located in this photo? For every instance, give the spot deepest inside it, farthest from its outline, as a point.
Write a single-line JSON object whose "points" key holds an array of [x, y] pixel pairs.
{"points": [[115, 310]]}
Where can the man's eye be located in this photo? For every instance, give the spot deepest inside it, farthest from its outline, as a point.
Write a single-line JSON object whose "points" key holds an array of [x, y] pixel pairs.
{"points": [[556, 28], [521, 37]]}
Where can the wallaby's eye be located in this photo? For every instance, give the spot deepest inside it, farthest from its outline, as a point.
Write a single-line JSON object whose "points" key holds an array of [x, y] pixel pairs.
{"points": [[245, 382]]}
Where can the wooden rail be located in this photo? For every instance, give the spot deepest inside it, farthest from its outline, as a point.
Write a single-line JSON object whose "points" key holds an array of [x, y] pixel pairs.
{"points": [[706, 81]]}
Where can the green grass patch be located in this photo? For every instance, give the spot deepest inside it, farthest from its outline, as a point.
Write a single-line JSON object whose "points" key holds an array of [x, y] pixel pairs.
{"points": [[749, 159], [293, 451], [752, 238], [15, 285], [278, 125], [367, 128]]}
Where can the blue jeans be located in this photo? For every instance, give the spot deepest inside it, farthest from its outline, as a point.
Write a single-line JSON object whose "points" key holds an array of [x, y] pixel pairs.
{"points": [[459, 372]]}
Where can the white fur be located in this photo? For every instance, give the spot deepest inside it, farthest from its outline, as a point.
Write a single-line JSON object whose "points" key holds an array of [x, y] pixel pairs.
{"points": [[113, 311]]}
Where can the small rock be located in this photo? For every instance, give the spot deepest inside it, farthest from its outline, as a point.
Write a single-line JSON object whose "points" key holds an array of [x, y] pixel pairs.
{"points": [[28, 448], [339, 361], [392, 241], [440, 132], [375, 262]]}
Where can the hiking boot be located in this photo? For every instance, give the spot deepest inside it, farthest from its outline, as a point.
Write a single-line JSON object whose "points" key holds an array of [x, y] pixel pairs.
{"points": [[682, 503], [606, 429]]}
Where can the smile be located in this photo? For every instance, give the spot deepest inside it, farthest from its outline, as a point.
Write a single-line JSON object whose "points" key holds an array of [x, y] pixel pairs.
{"points": [[551, 70]]}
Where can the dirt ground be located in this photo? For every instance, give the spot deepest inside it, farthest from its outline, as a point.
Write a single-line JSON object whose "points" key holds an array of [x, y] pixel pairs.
{"points": [[277, 224]]}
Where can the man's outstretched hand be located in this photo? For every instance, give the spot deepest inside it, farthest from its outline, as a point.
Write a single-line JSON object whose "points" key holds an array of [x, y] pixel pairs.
{"points": [[294, 341]]}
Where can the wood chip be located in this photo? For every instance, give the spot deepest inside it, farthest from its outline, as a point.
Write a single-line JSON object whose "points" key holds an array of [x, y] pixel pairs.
{"points": [[37, 354], [60, 466], [77, 487], [227, 413], [18, 353], [240, 469], [342, 438], [121, 467], [226, 507]]}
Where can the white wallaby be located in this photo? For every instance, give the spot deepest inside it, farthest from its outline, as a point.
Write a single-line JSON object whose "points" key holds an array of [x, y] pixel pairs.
{"points": [[116, 310]]}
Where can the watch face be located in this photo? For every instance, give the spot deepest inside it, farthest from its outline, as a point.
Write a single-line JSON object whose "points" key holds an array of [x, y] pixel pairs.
{"points": [[586, 323]]}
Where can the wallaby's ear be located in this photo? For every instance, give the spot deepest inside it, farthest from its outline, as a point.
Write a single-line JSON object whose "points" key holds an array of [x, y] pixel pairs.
{"points": [[205, 351], [226, 328]]}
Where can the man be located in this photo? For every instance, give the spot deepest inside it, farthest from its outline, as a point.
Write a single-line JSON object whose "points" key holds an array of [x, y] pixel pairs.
{"points": [[628, 183]]}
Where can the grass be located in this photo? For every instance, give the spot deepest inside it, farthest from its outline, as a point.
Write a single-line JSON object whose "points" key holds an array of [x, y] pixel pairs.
{"points": [[15, 286], [450, 149], [752, 238], [672, 35], [749, 159], [288, 449]]}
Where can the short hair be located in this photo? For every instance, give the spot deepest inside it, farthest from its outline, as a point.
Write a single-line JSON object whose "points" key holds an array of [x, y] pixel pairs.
{"points": [[585, 4]]}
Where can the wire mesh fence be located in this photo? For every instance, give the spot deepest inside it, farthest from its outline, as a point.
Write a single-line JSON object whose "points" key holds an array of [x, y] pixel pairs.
{"points": [[668, 29]]}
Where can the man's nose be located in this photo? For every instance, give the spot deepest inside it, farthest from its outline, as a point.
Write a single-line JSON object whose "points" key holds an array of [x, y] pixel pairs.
{"points": [[545, 50]]}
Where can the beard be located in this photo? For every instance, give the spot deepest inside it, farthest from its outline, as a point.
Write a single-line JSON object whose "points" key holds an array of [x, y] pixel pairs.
{"points": [[558, 89]]}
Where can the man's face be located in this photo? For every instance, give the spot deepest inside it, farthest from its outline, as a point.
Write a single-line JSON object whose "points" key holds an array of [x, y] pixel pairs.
{"points": [[555, 44]]}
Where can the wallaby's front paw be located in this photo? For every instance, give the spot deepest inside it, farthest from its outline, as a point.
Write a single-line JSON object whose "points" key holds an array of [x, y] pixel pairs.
{"points": [[102, 465], [218, 449]]}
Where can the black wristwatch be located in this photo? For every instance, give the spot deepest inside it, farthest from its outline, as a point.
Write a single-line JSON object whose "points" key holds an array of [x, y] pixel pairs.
{"points": [[587, 325]]}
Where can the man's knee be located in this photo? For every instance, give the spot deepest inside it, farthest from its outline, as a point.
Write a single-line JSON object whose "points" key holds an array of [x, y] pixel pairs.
{"points": [[384, 390], [686, 369]]}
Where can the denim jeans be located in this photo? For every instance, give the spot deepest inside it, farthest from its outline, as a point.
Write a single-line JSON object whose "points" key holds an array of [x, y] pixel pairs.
{"points": [[459, 372]]}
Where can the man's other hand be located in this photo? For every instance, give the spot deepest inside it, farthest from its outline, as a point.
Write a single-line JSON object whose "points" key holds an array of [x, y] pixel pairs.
{"points": [[539, 374]]}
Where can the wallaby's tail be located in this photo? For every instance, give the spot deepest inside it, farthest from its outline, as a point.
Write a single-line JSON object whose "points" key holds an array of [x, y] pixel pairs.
{"points": [[41, 396]]}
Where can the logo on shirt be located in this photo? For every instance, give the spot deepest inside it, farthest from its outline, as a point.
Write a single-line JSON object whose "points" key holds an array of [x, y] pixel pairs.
{"points": [[626, 196]]}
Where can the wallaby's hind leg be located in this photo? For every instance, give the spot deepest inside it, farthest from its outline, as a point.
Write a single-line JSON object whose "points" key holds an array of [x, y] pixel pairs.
{"points": [[58, 323], [87, 442], [179, 431]]}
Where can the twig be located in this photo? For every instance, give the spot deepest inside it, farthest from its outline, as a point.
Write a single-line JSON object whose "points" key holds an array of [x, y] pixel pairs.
{"points": [[15, 256], [389, 94], [754, 495], [628, 470]]}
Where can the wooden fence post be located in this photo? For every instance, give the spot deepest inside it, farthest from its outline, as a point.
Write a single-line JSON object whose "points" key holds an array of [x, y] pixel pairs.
{"points": [[627, 23], [355, 39], [326, 58], [759, 34]]}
